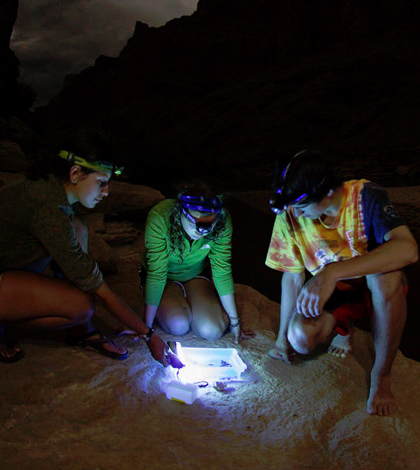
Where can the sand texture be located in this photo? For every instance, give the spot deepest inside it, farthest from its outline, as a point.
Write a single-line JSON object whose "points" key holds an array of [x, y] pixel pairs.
{"points": [[70, 409]]}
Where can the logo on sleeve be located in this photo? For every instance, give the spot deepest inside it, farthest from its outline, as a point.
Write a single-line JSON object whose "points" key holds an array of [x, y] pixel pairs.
{"points": [[389, 212]]}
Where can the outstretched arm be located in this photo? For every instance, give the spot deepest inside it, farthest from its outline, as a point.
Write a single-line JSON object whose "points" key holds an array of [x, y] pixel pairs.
{"points": [[229, 304], [150, 314], [115, 305], [291, 285], [398, 251]]}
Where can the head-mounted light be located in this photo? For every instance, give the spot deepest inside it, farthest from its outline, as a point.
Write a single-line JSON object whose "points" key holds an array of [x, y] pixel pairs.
{"points": [[200, 203], [203, 225], [74, 159]]}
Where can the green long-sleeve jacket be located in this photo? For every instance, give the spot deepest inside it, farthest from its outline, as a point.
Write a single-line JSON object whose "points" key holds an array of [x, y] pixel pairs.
{"points": [[162, 264]]}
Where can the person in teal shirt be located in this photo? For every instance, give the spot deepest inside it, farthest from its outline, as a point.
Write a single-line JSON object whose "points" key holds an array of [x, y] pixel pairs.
{"points": [[187, 265]]}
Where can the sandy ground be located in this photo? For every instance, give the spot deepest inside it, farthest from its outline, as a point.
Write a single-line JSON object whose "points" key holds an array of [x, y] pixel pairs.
{"points": [[71, 409]]}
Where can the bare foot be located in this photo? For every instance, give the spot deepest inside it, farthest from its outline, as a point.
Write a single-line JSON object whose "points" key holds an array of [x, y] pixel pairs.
{"points": [[340, 346], [130, 333], [106, 344], [9, 352], [100, 343], [381, 400]]}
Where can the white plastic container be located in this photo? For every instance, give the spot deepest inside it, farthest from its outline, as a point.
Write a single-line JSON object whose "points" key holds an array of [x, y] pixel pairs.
{"points": [[209, 364], [182, 392]]}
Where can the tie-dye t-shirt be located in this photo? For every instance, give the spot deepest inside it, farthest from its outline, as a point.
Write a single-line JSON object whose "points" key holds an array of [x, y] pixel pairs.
{"points": [[366, 215]]}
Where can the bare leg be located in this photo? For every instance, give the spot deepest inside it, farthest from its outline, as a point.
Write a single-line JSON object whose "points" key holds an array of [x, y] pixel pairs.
{"points": [[389, 314], [38, 301], [174, 313], [209, 320], [43, 302]]}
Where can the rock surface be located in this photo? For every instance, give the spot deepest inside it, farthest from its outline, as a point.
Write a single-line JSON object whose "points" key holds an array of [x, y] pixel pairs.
{"points": [[221, 92], [9, 63], [218, 93]]}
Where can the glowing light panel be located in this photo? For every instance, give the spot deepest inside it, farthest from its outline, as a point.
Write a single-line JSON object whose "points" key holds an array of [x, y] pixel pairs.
{"points": [[209, 364]]}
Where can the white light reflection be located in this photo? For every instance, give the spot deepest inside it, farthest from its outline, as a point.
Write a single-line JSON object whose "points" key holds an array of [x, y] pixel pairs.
{"points": [[209, 364]]}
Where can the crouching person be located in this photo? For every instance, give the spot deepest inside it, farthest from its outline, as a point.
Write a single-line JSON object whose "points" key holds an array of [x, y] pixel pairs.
{"points": [[348, 236]]}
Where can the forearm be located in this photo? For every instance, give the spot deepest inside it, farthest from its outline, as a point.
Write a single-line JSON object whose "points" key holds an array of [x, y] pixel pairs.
{"points": [[291, 285], [392, 255], [229, 304], [150, 314], [117, 307]]}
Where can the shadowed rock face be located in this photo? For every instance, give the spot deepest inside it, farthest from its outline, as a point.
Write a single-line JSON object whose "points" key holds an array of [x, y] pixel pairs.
{"points": [[221, 92], [9, 63], [16, 137]]}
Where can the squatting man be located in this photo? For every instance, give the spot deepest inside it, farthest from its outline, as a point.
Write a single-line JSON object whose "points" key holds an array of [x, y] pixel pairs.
{"points": [[348, 236]]}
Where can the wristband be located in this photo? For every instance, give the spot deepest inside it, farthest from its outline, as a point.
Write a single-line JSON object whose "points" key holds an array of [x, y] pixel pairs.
{"points": [[234, 325], [147, 336]]}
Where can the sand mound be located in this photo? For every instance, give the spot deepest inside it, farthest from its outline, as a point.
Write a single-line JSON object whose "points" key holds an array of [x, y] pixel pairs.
{"points": [[64, 408]]}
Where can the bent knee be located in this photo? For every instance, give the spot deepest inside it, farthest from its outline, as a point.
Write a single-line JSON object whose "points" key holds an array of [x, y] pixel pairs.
{"points": [[83, 309], [300, 340], [177, 322], [209, 330]]}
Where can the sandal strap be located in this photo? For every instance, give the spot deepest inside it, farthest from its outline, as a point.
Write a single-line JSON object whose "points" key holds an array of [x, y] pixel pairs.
{"points": [[81, 340]]}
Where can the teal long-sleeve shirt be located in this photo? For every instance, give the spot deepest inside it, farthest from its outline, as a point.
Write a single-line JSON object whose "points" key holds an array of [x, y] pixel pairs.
{"points": [[162, 263]]}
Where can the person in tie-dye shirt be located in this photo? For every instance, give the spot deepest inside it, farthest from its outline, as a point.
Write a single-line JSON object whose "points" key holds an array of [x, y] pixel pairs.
{"points": [[348, 240]]}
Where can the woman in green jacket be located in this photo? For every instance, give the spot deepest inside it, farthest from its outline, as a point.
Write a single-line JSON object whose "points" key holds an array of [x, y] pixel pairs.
{"points": [[187, 268]]}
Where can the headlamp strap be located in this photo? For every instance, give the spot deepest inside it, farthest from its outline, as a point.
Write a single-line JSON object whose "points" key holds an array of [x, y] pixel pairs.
{"points": [[74, 159]]}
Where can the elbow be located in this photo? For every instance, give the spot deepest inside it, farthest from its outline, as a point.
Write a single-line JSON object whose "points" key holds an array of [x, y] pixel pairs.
{"points": [[413, 253]]}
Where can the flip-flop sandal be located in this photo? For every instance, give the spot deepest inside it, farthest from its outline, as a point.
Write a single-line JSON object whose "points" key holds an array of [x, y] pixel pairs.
{"points": [[130, 333], [17, 356], [96, 344]]}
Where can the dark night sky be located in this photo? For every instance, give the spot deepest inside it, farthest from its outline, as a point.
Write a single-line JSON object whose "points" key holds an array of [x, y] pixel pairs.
{"points": [[53, 38]]}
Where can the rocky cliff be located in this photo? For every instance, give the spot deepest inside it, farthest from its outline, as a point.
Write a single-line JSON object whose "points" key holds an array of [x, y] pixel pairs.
{"points": [[8, 61], [222, 91]]}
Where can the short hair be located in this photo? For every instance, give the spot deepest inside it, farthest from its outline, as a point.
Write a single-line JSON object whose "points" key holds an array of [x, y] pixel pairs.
{"points": [[89, 144], [307, 177]]}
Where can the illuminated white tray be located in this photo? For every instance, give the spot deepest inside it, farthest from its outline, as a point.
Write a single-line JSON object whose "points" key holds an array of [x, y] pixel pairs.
{"points": [[209, 364]]}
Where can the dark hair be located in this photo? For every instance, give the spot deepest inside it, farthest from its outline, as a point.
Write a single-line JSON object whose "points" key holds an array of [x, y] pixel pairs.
{"points": [[176, 231], [309, 173], [91, 145]]}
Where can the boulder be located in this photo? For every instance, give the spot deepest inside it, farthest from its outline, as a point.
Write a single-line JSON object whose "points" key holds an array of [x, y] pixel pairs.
{"points": [[129, 199]]}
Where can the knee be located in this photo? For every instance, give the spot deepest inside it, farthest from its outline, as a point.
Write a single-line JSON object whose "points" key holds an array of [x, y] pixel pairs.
{"points": [[178, 323], [83, 309], [209, 330], [300, 340]]}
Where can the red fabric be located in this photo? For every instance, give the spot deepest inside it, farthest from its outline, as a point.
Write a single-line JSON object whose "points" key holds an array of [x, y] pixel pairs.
{"points": [[347, 312]]}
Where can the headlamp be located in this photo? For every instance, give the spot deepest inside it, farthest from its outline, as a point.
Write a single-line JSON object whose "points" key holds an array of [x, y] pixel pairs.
{"points": [[203, 225], [200, 203], [74, 159]]}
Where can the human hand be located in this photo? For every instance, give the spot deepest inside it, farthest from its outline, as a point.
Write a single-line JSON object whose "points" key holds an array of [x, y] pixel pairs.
{"points": [[315, 293], [242, 334], [282, 350], [159, 350]]}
